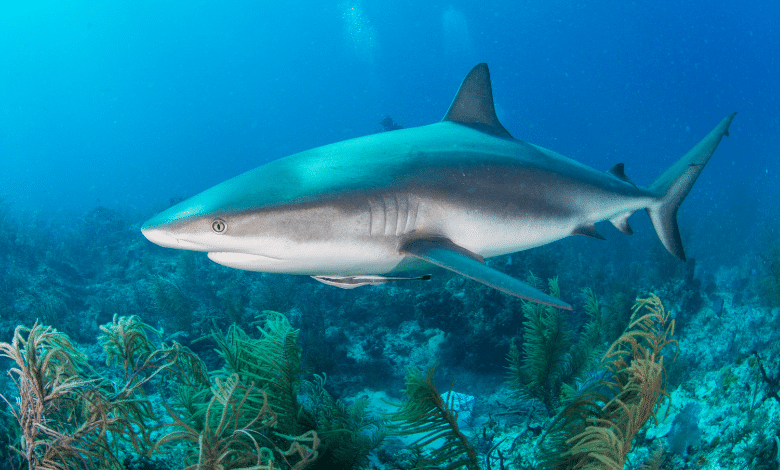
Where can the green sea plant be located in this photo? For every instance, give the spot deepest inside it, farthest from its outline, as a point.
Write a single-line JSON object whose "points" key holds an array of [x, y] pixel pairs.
{"points": [[63, 410], [595, 430], [441, 444], [552, 361], [347, 432], [303, 409], [125, 339], [546, 344], [272, 362], [71, 417], [584, 355], [126, 344], [617, 313], [234, 433]]}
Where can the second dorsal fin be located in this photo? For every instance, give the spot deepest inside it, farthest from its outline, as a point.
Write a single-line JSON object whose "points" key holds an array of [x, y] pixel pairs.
{"points": [[473, 105], [619, 171]]}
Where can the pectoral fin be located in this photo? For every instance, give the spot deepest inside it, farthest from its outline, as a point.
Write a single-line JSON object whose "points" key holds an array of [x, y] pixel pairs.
{"points": [[442, 252]]}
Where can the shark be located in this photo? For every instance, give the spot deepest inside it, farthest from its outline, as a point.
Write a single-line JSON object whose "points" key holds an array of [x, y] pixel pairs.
{"points": [[448, 194]]}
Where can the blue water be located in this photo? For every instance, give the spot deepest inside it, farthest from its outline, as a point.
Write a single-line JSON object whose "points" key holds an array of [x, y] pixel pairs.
{"points": [[126, 104]]}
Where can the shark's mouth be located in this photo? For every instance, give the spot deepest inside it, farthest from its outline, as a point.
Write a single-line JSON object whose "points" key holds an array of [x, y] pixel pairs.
{"points": [[246, 261]]}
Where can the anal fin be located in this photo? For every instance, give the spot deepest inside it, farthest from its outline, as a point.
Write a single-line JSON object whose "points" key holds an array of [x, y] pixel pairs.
{"points": [[444, 253], [589, 230]]}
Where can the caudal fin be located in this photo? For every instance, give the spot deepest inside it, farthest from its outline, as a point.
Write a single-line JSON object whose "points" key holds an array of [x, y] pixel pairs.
{"points": [[676, 182]]}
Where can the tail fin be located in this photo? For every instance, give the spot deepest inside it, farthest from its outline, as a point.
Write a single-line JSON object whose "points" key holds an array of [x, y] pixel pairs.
{"points": [[676, 182]]}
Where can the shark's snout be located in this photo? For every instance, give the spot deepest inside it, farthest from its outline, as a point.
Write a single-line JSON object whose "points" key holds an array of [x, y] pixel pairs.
{"points": [[161, 237], [166, 239]]}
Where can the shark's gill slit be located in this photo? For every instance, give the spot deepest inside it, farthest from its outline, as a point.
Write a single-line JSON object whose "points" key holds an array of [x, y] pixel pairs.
{"points": [[370, 218], [411, 220], [391, 220], [402, 202], [383, 212]]}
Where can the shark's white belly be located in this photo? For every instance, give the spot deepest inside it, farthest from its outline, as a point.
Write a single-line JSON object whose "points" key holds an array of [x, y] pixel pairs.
{"points": [[322, 240], [336, 257], [489, 234]]}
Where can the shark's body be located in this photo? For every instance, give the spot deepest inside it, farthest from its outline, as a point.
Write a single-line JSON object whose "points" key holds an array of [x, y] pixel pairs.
{"points": [[450, 194]]}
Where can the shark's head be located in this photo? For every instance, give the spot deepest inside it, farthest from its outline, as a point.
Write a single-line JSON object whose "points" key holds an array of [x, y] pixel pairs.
{"points": [[245, 222], [213, 220], [233, 216], [189, 225]]}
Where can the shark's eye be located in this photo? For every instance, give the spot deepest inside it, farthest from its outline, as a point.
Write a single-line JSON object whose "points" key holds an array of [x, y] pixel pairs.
{"points": [[218, 225]]}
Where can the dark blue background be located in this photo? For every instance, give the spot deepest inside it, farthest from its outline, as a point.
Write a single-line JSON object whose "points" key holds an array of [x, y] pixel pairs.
{"points": [[126, 104]]}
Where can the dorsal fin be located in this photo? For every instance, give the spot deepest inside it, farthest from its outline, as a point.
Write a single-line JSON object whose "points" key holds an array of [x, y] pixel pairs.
{"points": [[473, 105], [619, 171]]}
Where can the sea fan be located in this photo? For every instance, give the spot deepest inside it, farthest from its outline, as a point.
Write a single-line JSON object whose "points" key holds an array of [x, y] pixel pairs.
{"points": [[272, 363], [596, 429], [426, 413]]}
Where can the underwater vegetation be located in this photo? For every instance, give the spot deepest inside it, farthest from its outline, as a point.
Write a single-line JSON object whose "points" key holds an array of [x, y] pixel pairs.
{"points": [[244, 415], [260, 411], [430, 415], [551, 361], [596, 428], [132, 331], [69, 416]]}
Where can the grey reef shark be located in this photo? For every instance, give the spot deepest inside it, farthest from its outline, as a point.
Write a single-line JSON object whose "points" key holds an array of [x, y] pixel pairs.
{"points": [[448, 194]]}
